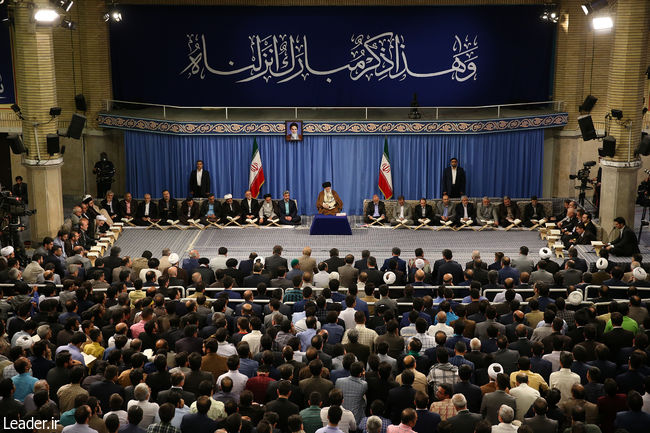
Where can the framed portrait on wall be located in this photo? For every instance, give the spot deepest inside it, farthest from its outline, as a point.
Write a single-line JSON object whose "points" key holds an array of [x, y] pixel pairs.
{"points": [[293, 130]]}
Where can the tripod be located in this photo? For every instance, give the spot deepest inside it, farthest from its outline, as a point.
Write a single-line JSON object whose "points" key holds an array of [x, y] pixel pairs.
{"points": [[644, 222], [581, 197]]}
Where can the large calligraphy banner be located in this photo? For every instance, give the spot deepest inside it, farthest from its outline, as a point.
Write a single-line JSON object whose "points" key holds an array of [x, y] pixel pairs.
{"points": [[6, 70], [331, 56]]}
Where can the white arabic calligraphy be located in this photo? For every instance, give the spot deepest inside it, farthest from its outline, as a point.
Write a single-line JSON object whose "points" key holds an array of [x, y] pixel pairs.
{"points": [[2, 88], [282, 58]]}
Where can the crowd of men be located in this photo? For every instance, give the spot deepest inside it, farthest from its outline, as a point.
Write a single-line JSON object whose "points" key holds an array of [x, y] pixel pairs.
{"points": [[117, 349]]}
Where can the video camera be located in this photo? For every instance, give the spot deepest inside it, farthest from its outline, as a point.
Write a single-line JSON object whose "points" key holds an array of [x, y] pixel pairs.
{"points": [[583, 173], [10, 205]]}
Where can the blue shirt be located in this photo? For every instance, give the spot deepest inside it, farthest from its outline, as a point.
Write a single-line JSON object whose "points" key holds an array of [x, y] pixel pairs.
{"points": [[286, 207], [334, 332], [305, 338], [248, 367], [24, 384], [75, 353], [329, 429]]}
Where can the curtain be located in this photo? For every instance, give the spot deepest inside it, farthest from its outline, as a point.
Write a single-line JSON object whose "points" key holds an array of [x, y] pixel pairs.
{"points": [[497, 164]]}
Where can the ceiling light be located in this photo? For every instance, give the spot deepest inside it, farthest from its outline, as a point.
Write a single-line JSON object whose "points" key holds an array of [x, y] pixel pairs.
{"points": [[550, 14], [68, 24], [46, 15], [113, 14], [587, 8], [66, 5], [602, 23]]}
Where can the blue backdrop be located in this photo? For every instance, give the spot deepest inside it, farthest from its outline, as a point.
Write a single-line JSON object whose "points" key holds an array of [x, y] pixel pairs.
{"points": [[6, 70], [496, 164], [331, 56]]}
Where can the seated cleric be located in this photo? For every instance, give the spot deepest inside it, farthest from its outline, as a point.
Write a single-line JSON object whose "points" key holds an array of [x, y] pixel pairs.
{"points": [[328, 202]]}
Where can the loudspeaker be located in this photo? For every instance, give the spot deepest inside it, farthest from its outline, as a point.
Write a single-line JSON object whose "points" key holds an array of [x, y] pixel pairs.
{"points": [[588, 103], [53, 144], [80, 102], [76, 127], [587, 127], [609, 146], [16, 144]]}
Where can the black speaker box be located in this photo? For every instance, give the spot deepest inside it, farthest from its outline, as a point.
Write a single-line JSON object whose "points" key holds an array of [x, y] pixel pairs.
{"points": [[16, 144], [644, 147], [587, 127], [53, 144], [588, 103], [80, 102], [609, 146], [76, 127]]}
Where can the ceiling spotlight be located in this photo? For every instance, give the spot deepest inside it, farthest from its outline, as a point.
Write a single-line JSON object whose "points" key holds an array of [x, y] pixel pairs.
{"points": [[617, 114], [550, 14], [16, 108], [587, 8], [68, 24], [66, 5], [113, 15], [46, 15], [602, 23]]}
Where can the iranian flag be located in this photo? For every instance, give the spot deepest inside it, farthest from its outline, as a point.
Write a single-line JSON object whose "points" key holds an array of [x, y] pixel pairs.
{"points": [[385, 175], [256, 173]]}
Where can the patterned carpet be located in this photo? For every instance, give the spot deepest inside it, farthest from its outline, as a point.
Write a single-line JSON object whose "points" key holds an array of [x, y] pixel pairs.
{"points": [[379, 241]]}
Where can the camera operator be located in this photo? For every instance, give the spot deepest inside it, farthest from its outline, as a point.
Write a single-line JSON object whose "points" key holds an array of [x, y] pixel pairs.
{"points": [[643, 191], [105, 170]]}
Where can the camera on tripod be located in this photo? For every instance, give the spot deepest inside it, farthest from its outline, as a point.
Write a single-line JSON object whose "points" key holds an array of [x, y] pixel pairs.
{"points": [[583, 173]]}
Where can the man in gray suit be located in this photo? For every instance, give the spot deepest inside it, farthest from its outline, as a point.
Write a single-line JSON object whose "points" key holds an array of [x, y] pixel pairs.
{"points": [[348, 274], [540, 423], [490, 315], [542, 275], [569, 276], [486, 211], [522, 262], [464, 421], [492, 401], [401, 213], [444, 211]]}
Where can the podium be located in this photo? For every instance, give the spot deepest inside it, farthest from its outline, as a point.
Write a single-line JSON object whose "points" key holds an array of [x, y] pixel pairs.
{"points": [[330, 225]]}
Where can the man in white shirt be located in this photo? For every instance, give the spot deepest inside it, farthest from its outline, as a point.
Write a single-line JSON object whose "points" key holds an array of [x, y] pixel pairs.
{"points": [[565, 378], [238, 379], [322, 277], [441, 317], [524, 395], [347, 315], [219, 262]]}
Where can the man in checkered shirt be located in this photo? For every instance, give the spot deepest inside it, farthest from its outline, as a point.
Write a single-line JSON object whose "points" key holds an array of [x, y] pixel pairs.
{"points": [[366, 336], [443, 371], [421, 327]]}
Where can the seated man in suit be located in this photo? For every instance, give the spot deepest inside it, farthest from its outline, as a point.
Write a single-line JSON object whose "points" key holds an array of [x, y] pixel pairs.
{"points": [[402, 213], [189, 210], [465, 211], [167, 208], [249, 206], [229, 209], [625, 244], [375, 210], [287, 210], [328, 202], [128, 206], [147, 211], [533, 211], [444, 211], [508, 212], [486, 211], [584, 237], [423, 212], [210, 210]]}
